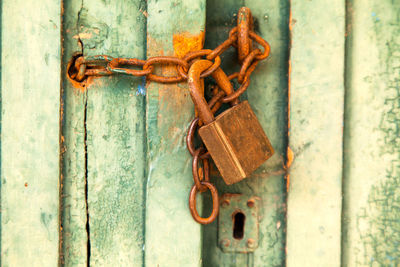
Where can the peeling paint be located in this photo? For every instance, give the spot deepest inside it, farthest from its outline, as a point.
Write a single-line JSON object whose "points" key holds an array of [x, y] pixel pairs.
{"points": [[378, 221]]}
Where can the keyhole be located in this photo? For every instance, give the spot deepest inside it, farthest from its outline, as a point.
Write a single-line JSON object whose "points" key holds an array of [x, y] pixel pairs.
{"points": [[238, 225]]}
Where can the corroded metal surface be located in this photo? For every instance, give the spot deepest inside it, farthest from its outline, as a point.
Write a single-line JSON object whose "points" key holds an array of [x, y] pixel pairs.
{"points": [[238, 234], [236, 142]]}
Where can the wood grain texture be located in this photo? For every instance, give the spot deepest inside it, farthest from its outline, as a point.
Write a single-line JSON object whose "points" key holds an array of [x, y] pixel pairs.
{"points": [[316, 98], [372, 148], [173, 238], [115, 134], [267, 96], [74, 217], [30, 90]]}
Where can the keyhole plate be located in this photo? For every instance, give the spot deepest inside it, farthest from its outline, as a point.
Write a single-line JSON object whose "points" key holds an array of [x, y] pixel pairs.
{"points": [[238, 223]]}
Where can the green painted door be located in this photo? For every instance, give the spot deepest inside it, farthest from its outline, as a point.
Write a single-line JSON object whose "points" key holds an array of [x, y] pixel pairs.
{"points": [[100, 176]]}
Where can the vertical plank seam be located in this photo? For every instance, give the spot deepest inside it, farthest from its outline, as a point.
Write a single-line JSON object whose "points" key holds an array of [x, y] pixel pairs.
{"points": [[145, 152], [289, 153], [86, 96], [61, 143], [1, 121], [86, 177], [346, 91]]}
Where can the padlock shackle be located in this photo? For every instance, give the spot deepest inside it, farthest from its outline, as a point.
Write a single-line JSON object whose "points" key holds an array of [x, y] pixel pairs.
{"points": [[195, 87]]}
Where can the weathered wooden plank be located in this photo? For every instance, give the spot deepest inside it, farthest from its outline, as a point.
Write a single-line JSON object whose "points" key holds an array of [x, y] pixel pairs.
{"points": [[372, 148], [74, 216], [115, 134], [315, 135], [30, 84], [267, 95], [172, 237]]}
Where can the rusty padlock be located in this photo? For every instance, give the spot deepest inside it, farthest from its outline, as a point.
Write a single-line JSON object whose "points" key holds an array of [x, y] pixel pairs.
{"points": [[235, 138]]}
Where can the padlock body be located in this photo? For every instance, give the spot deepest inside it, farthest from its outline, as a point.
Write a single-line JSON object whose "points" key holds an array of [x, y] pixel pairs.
{"points": [[236, 142]]}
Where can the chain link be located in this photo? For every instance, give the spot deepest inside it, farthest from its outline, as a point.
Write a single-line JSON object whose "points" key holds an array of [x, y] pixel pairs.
{"points": [[241, 37]]}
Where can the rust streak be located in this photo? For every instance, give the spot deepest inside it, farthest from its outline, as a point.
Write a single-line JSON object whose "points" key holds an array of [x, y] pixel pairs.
{"points": [[185, 42], [289, 153]]}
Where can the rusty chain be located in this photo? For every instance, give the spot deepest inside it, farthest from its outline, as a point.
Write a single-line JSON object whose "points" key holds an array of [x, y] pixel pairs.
{"points": [[241, 37]]}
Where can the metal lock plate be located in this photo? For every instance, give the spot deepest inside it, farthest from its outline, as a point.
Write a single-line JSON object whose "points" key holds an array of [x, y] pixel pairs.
{"points": [[238, 223], [237, 143]]}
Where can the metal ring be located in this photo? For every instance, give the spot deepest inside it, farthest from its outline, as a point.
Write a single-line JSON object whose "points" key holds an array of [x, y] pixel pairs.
{"points": [[244, 26], [81, 67], [222, 47], [164, 60], [190, 137], [112, 66], [215, 201], [203, 52], [233, 34], [258, 39], [72, 71], [246, 63], [242, 87], [263, 43], [195, 170], [98, 72]]}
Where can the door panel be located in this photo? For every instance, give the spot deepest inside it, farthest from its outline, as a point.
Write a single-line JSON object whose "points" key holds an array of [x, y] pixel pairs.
{"points": [[99, 174], [74, 193], [371, 223], [172, 237], [108, 138], [30, 122], [315, 134]]}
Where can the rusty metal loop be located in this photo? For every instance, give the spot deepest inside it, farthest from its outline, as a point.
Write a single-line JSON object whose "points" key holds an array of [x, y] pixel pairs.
{"points": [[164, 60], [90, 66], [263, 43], [233, 34], [190, 137], [222, 47], [81, 67], [215, 99], [195, 54], [215, 201], [243, 87], [244, 26], [113, 66], [195, 170], [98, 72], [246, 63], [258, 39]]}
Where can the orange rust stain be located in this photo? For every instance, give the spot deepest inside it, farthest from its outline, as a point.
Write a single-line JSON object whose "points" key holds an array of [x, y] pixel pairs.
{"points": [[289, 160], [289, 153], [186, 42], [290, 157], [84, 85]]}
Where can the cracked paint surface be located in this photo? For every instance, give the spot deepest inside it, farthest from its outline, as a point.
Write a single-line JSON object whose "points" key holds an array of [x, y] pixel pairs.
{"points": [[371, 225]]}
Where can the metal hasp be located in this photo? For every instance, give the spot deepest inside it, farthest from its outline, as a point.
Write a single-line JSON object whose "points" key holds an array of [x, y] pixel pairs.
{"points": [[238, 223], [237, 142]]}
